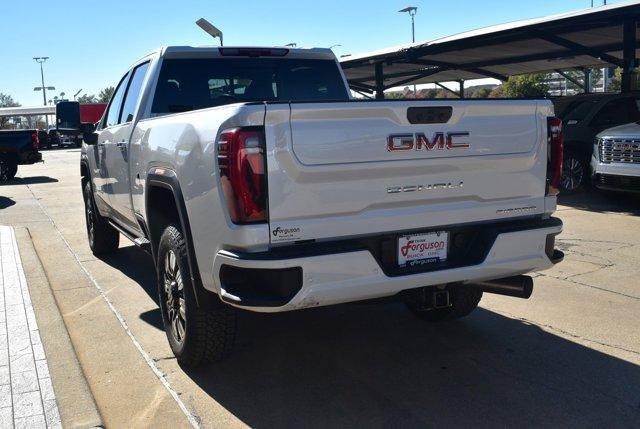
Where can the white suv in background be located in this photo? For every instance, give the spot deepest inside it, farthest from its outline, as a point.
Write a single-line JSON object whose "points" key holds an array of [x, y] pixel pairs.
{"points": [[616, 158]]}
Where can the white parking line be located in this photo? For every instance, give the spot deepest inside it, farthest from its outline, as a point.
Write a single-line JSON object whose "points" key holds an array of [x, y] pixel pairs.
{"points": [[26, 393], [193, 420]]}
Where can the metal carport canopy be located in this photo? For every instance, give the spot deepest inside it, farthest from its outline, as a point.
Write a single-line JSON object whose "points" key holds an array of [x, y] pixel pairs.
{"points": [[587, 38], [28, 111]]}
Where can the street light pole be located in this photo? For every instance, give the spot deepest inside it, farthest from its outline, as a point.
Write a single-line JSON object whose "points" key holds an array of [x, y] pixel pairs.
{"points": [[411, 10], [413, 27], [41, 60]]}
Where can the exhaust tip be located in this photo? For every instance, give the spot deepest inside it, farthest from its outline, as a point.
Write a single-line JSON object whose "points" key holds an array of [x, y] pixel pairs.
{"points": [[516, 286]]}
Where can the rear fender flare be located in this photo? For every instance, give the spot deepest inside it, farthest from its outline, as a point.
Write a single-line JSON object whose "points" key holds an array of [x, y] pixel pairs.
{"points": [[168, 180]]}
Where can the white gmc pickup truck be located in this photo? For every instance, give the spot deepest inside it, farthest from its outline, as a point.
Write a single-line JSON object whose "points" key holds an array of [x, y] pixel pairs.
{"points": [[256, 182]]}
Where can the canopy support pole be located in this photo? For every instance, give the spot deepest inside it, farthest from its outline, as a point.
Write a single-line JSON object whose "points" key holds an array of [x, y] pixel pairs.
{"points": [[456, 93], [629, 75], [379, 82], [571, 79], [587, 81], [461, 91]]}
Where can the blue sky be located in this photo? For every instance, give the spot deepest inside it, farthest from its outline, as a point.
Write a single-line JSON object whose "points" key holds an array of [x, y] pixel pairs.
{"points": [[91, 43]]}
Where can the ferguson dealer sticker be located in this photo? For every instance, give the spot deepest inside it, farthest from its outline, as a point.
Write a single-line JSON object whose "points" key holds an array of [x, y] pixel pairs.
{"points": [[281, 234], [420, 249]]}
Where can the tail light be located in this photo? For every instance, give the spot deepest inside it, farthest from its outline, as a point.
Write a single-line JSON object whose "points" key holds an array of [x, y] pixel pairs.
{"points": [[554, 155], [243, 175], [35, 142]]}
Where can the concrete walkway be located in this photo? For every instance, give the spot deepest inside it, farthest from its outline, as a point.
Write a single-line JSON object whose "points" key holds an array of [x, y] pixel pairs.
{"points": [[27, 399]]}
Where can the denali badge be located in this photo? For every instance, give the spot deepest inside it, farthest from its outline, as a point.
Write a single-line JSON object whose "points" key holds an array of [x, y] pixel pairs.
{"points": [[419, 141], [517, 210], [432, 187]]}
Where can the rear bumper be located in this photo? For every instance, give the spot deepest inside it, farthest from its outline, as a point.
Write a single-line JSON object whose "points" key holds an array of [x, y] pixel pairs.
{"points": [[333, 277]]}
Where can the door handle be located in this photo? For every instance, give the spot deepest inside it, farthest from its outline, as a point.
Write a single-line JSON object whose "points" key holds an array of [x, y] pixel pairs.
{"points": [[122, 145], [104, 142]]}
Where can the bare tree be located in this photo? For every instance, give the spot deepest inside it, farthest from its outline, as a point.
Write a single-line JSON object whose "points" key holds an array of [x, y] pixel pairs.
{"points": [[6, 101]]}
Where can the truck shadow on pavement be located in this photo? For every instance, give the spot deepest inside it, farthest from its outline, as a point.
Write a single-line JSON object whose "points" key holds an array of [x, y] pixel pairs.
{"points": [[34, 180], [6, 202], [603, 202], [376, 365]]}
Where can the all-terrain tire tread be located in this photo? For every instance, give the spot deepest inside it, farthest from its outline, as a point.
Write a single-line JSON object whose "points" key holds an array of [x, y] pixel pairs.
{"points": [[215, 326]]}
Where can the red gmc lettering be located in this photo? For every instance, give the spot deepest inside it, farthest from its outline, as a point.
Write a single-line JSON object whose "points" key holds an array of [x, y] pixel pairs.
{"points": [[452, 145], [400, 142], [437, 141], [419, 141]]}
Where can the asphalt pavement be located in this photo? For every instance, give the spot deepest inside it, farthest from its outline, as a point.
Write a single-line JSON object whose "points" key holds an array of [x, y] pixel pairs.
{"points": [[569, 356]]}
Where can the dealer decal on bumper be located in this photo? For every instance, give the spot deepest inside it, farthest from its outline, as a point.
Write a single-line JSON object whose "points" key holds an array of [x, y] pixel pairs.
{"points": [[281, 234]]}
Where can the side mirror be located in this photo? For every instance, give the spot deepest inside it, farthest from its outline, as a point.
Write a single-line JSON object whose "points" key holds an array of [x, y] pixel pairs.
{"points": [[90, 139], [89, 135], [68, 117]]}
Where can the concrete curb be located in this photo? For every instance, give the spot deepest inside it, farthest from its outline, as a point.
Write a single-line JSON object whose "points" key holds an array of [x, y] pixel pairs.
{"points": [[75, 401]]}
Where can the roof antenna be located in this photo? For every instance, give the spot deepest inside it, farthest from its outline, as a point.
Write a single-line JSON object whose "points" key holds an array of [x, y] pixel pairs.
{"points": [[210, 29]]}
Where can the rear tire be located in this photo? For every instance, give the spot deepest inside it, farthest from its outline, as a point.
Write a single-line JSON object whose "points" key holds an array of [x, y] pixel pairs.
{"points": [[463, 300], [103, 238], [8, 169], [198, 335]]}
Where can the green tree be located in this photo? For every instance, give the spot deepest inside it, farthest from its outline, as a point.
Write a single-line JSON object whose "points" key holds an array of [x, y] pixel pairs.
{"points": [[576, 75], [86, 98], [616, 81], [6, 101], [596, 75], [105, 94], [527, 85]]}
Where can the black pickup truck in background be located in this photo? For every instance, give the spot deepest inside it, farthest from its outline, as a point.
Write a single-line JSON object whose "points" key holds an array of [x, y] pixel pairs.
{"points": [[17, 147]]}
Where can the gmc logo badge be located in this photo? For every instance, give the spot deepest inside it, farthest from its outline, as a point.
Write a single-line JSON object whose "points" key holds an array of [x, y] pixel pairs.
{"points": [[419, 141]]}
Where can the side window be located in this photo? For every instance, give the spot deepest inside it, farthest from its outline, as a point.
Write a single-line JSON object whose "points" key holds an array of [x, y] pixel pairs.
{"points": [[615, 112], [113, 114], [133, 93]]}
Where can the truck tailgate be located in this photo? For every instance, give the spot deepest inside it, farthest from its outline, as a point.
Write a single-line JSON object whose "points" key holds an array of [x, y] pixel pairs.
{"points": [[356, 168]]}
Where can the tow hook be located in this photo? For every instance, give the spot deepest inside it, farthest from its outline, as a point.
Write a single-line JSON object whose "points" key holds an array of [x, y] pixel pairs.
{"points": [[441, 299], [429, 298]]}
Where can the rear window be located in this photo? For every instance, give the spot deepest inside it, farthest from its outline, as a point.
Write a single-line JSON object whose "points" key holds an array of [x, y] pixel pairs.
{"points": [[198, 83]]}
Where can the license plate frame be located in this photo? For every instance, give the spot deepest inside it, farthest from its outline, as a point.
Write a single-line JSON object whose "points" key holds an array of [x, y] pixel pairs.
{"points": [[422, 249]]}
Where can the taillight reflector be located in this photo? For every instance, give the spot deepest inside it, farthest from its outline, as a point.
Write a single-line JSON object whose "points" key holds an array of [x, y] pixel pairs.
{"points": [[554, 155], [243, 176], [35, 142]]}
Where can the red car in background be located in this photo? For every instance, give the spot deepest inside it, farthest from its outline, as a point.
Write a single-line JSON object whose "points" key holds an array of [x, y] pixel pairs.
{"points": [[91, 113]]}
